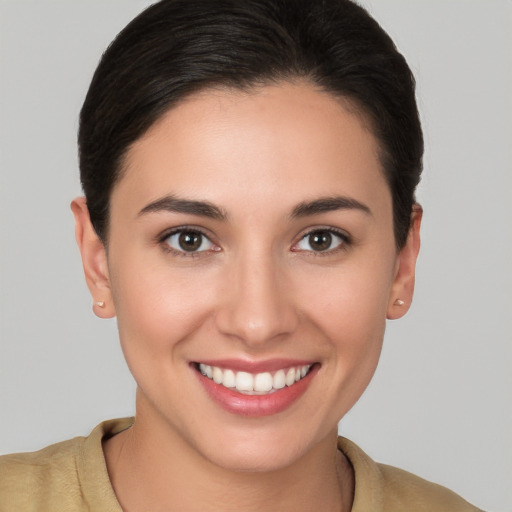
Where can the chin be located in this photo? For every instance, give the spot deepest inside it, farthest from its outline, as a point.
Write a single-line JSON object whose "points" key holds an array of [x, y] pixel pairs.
{"points": [[260, 450], [255, 458]]}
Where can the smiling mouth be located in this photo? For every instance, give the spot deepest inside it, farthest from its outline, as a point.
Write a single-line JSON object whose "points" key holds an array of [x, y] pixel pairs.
{"points": [[246, 383]]}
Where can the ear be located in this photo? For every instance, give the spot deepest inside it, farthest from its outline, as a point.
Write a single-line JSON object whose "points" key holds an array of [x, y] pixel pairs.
{"points": [[94, 260], [403, 285]]}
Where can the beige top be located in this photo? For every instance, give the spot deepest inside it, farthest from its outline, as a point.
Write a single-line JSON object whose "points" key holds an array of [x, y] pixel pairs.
{"points": [[72, 476]]}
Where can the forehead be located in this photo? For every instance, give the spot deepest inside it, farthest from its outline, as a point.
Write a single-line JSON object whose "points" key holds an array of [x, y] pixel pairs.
{"points": [[221, 144]]}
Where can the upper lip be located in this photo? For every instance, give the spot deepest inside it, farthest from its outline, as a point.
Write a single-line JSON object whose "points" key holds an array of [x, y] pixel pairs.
{"points": [[243, 365]]}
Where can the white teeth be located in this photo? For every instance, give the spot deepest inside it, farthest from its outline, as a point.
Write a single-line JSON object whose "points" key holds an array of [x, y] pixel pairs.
{"points": [[244, 381], [217, 375], [206, 370], [279, 380], [263, 382], [259, 383], [290, 377], [229, 379]]}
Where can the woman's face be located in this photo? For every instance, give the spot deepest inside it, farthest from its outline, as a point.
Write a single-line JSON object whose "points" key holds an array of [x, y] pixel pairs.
{"points": [[252, 234]]}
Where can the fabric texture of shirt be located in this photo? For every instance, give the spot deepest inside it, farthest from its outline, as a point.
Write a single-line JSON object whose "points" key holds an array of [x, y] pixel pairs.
{"points": [[72, 476]]}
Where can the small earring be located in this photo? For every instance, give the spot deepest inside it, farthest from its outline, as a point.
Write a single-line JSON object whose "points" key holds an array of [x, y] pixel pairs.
{"points": [[399, 302], [100, 304]]}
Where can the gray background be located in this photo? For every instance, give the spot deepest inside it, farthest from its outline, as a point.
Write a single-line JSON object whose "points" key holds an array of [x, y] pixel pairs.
{"points": [[440, 404]]}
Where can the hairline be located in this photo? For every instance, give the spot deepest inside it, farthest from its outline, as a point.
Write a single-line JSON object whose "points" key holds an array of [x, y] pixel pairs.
{"points": [[351, 104]]}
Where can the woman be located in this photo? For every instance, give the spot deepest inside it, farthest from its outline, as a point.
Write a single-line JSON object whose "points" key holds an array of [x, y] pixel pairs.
{"points": [[249, 217]]}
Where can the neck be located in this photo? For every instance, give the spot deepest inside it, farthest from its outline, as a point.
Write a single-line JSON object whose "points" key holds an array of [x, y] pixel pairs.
{"points": [[152, 468]]}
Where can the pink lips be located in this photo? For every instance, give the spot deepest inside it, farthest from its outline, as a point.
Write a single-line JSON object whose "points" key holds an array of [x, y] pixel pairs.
{"points": [[256, 405]]}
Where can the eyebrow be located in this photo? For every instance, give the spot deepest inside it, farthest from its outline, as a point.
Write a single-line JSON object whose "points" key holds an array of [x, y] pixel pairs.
{"points": [[328, 204], [174, 204]]}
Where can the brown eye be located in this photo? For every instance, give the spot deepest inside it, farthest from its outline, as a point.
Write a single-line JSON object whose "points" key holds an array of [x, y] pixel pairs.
{"points": [[321, 240], [189, 240]]}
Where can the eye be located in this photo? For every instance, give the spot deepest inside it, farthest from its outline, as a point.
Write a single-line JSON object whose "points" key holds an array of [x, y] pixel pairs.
{"points": [[188, 241], [321, 240]]}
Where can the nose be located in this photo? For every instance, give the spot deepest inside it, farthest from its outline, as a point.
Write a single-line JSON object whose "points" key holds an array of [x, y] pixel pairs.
{"points": [[257, 307]]}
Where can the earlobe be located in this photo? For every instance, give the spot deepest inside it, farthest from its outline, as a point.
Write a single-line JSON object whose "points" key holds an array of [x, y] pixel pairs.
{"points": [[94, 260], [403, 285]]}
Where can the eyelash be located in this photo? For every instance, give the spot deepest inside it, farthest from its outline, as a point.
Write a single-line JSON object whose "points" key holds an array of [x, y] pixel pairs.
{"points": [[163, 241], [345, 243]]}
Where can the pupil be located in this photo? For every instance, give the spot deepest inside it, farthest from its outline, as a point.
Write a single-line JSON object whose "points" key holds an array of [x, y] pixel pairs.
{"points": [[190, 241], [320, 241]]}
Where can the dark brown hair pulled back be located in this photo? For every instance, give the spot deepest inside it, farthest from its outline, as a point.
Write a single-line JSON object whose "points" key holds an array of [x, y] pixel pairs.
{"points": [[177, 47]]}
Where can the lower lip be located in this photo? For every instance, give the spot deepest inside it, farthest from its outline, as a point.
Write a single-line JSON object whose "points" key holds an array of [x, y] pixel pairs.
{"points": [[256, 405]]}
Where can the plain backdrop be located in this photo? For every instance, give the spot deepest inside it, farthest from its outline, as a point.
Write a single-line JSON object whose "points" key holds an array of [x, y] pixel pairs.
{"points": [[440, 403]]}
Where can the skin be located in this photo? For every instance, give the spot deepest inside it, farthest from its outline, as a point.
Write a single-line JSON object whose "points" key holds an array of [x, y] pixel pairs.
{"points": [[259, 291]]}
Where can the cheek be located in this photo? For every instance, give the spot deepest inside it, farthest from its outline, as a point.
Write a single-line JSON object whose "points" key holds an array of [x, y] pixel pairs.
{"points": [[157, 309], [348, 306], [354, 295]]}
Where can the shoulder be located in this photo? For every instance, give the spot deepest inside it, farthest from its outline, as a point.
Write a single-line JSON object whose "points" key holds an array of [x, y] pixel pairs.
{"points": [[70, 476], [383, 488], [48, 474], [402, 488]]}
